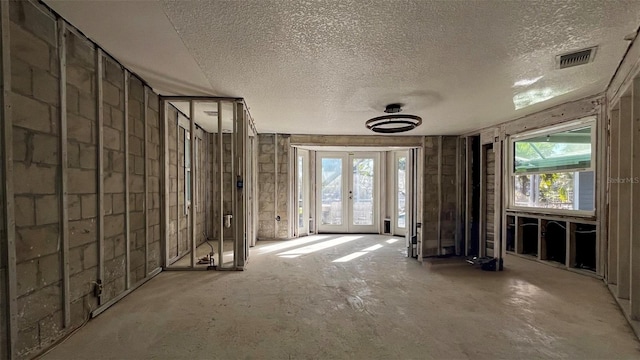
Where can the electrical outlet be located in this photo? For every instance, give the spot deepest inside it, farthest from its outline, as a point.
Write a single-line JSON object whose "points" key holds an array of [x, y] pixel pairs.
{"points": [[97, 290]]}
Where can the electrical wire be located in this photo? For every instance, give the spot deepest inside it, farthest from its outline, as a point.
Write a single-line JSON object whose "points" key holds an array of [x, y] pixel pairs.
{"points": [[66, 337]]}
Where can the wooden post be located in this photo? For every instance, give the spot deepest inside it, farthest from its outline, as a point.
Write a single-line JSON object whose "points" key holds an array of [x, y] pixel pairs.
{"points": [[8, 219], [614, 136], [100, 162], [64, 208], [127, 207], [624, 197], [635, 203]]}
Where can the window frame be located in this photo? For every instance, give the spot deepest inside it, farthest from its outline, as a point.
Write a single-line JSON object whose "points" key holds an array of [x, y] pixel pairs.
{"points": [[589, 121]]}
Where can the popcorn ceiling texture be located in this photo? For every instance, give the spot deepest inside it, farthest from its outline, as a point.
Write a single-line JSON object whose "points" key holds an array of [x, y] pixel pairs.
{"points": [[332, 65]]}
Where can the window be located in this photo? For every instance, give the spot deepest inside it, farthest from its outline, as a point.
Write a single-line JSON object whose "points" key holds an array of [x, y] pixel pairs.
{"points": [[553, 168]]}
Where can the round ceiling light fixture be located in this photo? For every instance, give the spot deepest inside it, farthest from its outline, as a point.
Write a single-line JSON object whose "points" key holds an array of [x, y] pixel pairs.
{"points": [[395, 122]]}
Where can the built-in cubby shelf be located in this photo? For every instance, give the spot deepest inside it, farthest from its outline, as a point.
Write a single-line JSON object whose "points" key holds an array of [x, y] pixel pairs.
{"points": [[566, 242]]}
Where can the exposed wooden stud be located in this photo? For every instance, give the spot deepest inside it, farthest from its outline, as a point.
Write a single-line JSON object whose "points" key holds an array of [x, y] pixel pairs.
{"points": [[439, 223], [194, 191], [600, 188], [275, 187], [178, 209], [145, 139], [100, 162], [614, 136], [64, 196], [624, 197], [499, 233], [220, 187], [483, 205], [569, 245], [634, 280], [127, 207], [468, 190], [459, 194], [7, 187], [164, 121], [234, 199]]}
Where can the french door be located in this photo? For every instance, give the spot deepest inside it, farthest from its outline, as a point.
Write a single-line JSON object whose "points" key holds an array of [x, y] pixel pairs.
{"points": [[347, 192]]}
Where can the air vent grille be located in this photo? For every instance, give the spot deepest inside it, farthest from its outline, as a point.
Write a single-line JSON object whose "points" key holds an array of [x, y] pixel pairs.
{"points": [[576, 58]]}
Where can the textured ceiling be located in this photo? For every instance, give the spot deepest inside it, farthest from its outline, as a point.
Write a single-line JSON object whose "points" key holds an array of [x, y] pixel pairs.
{"points": [[326, 67]]}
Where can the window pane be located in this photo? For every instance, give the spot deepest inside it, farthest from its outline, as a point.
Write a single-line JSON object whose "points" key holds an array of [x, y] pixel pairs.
{"points": [[363, 191], [401, 195], [567, 190], [565, 150], [331, 191]]}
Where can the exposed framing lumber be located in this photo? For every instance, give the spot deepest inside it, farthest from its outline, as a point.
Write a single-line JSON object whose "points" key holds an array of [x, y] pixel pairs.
{"points": [[64, 200], [145, 115], [627, 70], [220, 187], [164, 124], [234, 175], [439, 180], [100, 162], [600, 195], [194, 171], [614, 134], [7, 185], [635, 203], [624, 197], [127, 206]]}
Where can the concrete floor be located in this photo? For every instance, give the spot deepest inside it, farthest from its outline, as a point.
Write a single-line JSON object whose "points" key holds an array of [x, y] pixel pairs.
{"points": [[295, 301]]}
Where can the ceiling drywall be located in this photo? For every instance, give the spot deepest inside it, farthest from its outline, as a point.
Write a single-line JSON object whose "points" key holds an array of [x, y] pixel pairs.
{"points": [[325, 67]]}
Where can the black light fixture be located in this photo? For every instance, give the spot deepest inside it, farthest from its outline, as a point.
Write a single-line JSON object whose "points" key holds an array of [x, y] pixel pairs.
{"points": [[395, 122]]}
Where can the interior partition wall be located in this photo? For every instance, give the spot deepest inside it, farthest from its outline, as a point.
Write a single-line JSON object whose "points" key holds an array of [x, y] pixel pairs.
{"points": [[209, 183]]}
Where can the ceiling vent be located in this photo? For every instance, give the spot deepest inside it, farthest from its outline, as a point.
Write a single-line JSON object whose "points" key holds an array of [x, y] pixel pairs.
{"points": [[575, 58]]}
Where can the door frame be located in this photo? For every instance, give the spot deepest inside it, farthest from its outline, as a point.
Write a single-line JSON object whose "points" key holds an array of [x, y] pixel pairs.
{"points": [[396, 230], [304, 230], [347, 181]]}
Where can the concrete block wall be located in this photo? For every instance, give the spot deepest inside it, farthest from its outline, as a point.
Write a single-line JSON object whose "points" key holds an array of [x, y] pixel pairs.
{"points": [[449, 181], [82, 167], [40, 171], [439, 193], [153, 178], [174, 210], [114, 155], [138, 232], [36, 144], [283, 184], [266, 186], [430, 196]]}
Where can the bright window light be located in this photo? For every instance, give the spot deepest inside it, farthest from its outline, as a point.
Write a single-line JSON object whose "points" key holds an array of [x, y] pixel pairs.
{"points": [[290, 256], [320, 246], [391, 241], [350, 256], [291, 243], [372, 248]]}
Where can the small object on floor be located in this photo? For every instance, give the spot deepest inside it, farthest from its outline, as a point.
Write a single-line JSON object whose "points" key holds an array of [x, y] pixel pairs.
{"points": [[486, 263]]}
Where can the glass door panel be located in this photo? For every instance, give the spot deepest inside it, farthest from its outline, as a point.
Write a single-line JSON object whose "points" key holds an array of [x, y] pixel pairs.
{"points": [[332, 193], [363, 188], [400, 193]]}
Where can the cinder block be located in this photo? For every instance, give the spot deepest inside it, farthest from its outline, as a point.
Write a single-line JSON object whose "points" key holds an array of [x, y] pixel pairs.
{"points": [[47, 210], [89, 206], [111, 94], [21, 77], [74, 207], [79, 129], [80, 77], [32, 243], [75, 260], [114, 183], [28, 337], [88, 157], [73, 154], [24, 211], [118, 203], [51, 328], [81, 181], [31, 309], [33, 19], [82, 283], [29, 48], [34, 179], [112, 138], [82, 232], [26, 276], [90, 256], [87, 105], [113, 73], [46, 87], [73, 100], [49, 270], [30, 114], [113, 225]]}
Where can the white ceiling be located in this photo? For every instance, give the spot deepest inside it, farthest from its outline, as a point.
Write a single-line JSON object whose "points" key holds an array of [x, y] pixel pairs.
{"points": [[325, 67]]}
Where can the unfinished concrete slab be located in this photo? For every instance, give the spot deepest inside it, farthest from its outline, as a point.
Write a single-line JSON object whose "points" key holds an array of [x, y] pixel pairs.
{"points": [[358, 296]]}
